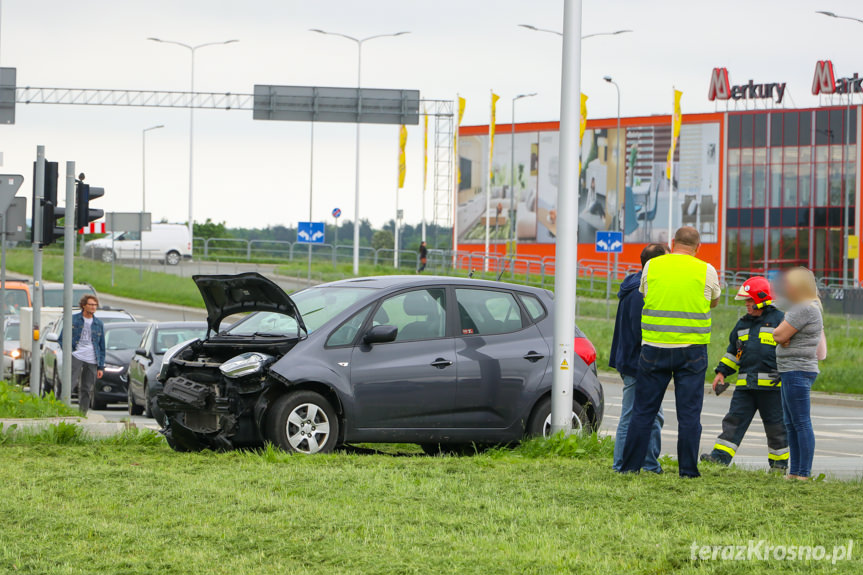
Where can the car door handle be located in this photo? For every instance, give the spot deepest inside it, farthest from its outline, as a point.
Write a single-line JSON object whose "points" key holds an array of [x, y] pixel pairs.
{"points": [[441, 363], [533, 356]]}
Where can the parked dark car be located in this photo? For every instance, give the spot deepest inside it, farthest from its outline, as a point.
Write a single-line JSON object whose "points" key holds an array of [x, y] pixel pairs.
{"points": [[428, 360], [121, 339], [147, 359]]}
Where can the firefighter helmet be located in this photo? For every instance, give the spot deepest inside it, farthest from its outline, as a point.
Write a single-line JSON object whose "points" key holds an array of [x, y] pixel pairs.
{"points": [[757, 289]]}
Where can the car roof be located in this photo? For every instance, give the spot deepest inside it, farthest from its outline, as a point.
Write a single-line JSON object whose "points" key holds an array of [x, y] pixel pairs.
{"points": [[112, 313], [54, 285], [122, 324], [170, 324], [390, 282]]}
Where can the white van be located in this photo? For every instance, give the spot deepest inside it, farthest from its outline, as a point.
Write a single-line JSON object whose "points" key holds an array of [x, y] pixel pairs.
{"points": [[168, 242]]}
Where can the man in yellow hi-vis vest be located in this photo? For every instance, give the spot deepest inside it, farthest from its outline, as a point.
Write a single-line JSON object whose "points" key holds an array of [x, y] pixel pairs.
{"points": [[679, 292]]}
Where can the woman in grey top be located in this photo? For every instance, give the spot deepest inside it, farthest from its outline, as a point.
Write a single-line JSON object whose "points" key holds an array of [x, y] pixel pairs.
{"points": [[797, 339]]}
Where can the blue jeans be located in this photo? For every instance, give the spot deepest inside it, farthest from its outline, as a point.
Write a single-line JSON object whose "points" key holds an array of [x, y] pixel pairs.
{"points": [[653, 448], [795, 409], [656, 367]]}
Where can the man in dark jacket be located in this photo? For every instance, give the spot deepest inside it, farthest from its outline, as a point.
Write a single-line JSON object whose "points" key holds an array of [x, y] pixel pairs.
{"points": [[625, 350], [424, 254], [752, 352]]}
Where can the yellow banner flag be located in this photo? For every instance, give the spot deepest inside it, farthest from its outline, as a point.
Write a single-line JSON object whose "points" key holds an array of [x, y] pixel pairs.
{"points": [[583, 125], [425, 151], [676, 120], [491, 128], [403, 140], [461, 105]]}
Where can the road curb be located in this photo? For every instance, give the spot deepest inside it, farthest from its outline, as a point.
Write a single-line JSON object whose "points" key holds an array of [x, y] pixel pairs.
{"points": [[816, 397], [93, 426]]}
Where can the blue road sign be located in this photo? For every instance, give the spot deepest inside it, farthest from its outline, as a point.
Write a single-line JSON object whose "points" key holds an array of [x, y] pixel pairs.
{"points": [[609, 242], [310, 232], [337, 212]]}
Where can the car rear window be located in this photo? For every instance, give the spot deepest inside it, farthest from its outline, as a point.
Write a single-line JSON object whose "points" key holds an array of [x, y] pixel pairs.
{"points": [[487, 312], [534, 307]]}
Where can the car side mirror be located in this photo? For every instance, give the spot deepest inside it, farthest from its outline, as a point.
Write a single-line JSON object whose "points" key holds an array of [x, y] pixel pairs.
{"points": [[52, 337], [381, 334], [143, 352]]}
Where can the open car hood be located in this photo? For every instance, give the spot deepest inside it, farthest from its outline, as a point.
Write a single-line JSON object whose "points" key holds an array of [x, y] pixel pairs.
{"points": [[225, 295]]}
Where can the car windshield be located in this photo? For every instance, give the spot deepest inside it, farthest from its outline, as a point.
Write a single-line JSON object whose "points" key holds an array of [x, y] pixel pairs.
{"points": [[53, 296], [15, 300], [317, 305], [13, 331], [168, 337], [119, 338]]}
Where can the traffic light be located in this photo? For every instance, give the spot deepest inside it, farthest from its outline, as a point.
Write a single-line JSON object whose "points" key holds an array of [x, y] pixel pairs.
{"points": [[84, 194], [50, 231]]}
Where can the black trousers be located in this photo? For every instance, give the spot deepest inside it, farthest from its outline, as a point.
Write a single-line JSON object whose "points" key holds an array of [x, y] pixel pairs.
{"points": [[744, 403]]}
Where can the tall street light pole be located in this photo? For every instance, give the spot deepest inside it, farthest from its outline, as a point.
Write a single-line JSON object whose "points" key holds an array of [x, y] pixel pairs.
{"points": [[566, 243], [143, 197], [512, 209], [845, 206], [615, 222], [359, 42], [192, 50]]}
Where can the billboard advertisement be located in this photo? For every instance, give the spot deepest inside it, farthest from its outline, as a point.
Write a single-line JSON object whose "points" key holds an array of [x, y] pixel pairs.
{"points": [[630, 195]]}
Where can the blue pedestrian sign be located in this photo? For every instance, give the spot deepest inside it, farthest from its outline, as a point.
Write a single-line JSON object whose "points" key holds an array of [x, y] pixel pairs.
{"points": [[609, 242], [310, 232], [337, 212]]}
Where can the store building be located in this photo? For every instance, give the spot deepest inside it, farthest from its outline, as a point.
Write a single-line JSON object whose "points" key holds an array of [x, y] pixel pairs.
{"points": [[766, 188]]}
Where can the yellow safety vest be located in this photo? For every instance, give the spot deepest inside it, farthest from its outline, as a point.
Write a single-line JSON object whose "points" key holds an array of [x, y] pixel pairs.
{"points": [[675, 309]]}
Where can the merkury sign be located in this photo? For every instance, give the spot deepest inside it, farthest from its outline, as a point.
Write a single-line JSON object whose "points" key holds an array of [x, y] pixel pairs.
{"points": [[721, 89], [825, 82]]}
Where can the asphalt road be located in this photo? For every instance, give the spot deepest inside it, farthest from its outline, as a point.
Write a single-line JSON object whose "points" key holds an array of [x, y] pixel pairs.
{"points": [[838, 431]]}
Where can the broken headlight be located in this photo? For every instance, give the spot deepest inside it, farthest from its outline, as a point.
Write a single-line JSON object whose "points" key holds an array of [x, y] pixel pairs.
{"points": [[245, 364]]}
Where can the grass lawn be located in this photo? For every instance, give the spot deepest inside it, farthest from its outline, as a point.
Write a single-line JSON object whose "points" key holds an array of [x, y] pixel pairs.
{"points": [[106, 507], [14, 404], [155, 286]]}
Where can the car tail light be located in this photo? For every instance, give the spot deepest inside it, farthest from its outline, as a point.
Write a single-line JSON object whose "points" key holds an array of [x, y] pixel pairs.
{"points": [[585, 350]]}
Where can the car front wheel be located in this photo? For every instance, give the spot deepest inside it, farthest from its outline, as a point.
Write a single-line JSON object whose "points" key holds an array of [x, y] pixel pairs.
{"points": [[172, 258], [540, 422], [303, 422], [107, 256]]}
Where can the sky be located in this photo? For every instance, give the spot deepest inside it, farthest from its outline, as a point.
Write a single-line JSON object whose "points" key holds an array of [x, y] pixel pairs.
{"points": [[254, 173]]}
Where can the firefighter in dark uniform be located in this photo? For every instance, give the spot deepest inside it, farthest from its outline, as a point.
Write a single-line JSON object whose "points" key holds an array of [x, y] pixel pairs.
{"points": [[752, 352]]}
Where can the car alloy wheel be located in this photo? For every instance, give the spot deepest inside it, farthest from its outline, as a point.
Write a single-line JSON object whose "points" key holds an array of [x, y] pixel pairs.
{"points": [[107, 256], [308, 428], [172, 258], [577, 426], [303, 422]]}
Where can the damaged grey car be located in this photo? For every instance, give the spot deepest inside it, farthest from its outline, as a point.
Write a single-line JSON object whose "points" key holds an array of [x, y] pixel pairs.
{"points": [[438, 361]]}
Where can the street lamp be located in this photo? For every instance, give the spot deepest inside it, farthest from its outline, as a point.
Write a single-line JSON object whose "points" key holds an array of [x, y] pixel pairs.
{"points": [[359, 42], [555, 32], [192, 50], [143, 197], [845, 206], [512, 210], [616, 221]]}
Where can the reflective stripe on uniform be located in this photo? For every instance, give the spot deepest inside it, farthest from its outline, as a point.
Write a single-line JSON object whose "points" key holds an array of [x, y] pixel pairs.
{"points": [[762, 379], [766, 329], [725, 446], [675, 328], [742, 334], [778, 454], [676, 314], [730, 361]]}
